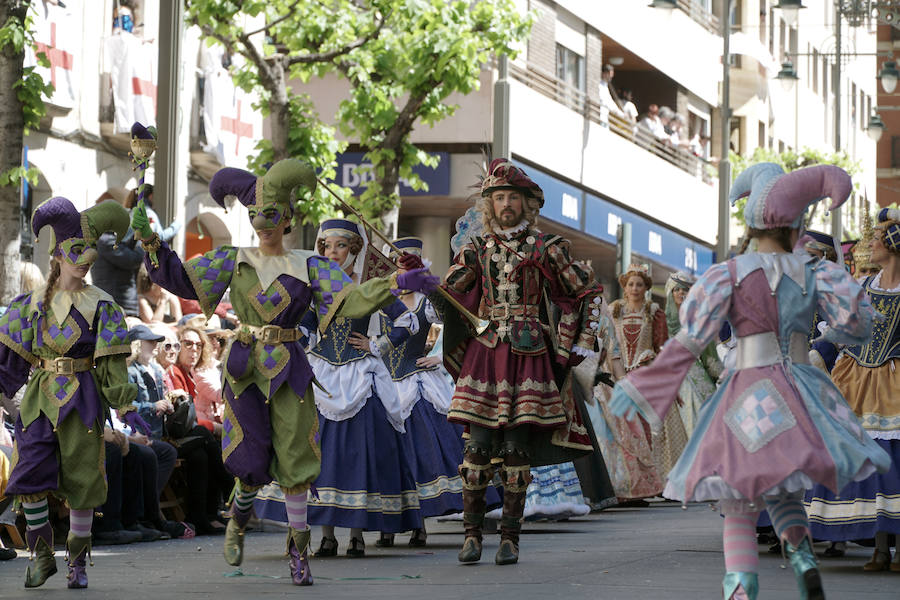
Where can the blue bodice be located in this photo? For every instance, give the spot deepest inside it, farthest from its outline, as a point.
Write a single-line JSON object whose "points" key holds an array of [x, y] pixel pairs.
{"points": [[332, 345], [405, 348], [885, 343]]}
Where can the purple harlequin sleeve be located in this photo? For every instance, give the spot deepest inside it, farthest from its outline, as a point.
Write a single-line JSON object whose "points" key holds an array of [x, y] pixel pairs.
{"points": [[844, 305], [170, 274], [13, 371], [654, 388]]}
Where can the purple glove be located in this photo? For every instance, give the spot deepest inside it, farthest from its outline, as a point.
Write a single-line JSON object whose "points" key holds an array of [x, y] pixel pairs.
{"points": [[136, 422], [418, 280]]}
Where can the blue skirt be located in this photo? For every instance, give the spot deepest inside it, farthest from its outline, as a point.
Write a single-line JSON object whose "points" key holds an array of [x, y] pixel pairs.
{"points": [[367, 480], [862, 508], [437, 453]]}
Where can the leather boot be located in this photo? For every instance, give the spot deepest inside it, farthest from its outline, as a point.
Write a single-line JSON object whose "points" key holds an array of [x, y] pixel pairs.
{"points": [[475, 479], [234, 537], [806, 570], [298, 550], [515, 480], [78, 549], [740, 586], [40, 542]]}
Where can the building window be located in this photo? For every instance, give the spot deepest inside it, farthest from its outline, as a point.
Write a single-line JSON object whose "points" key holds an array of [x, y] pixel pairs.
{"points": [[895, 151], [761, 135], [569, 67], [772, 25], [782, 45]]}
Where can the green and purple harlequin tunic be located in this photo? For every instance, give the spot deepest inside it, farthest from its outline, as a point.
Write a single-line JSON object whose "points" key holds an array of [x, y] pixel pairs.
{"points": [[270, 424], [59, 432]]}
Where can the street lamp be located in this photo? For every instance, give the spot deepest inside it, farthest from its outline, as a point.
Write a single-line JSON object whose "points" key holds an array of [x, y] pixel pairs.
{"points": [[888, 76], [876, 127], [668, 5], [787, 76], [790, 9]]}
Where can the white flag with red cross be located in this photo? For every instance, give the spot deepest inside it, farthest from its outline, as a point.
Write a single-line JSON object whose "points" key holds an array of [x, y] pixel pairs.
{"points": [[57, 35], [132, 66], [231, 125]]}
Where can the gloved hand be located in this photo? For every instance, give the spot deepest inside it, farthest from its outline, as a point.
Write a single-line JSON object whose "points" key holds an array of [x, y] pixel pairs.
{"points": [[621, 405], [418, 280], [140, 223], [136, 422], [410, 261]]}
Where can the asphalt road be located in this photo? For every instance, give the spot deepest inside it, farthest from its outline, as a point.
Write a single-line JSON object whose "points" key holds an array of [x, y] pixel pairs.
{"points": [[660, 552]]}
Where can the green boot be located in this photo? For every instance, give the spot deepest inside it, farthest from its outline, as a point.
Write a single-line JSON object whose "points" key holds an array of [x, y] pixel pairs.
{"points": [[40, 542], [233, 548], [78, 550], [298, 551]]}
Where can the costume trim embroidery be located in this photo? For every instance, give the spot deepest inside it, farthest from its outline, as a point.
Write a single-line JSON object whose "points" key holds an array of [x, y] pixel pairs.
{"points": [[759, 415]]}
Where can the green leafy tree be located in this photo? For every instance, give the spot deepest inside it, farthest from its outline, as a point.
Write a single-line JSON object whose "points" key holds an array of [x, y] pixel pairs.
{"points": [[285, 40], [402, 59], [21, 109], [791, 160]]}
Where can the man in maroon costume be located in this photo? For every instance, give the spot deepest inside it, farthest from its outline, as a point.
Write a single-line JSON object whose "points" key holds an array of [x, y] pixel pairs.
{"points": [[511, 390]]}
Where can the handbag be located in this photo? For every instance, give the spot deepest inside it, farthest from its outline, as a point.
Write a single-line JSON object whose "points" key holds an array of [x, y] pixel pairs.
{"points": [[182, 420]]}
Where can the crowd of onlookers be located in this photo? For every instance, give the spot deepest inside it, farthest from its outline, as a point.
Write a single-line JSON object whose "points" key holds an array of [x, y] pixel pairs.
{"points": [[175, 363], [666, 127]]}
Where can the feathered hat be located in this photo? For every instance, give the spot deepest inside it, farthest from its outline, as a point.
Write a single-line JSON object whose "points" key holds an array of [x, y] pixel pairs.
{"points": [[503, 175], [272, 189], [779, 199], [635, 269], [69, 224]]}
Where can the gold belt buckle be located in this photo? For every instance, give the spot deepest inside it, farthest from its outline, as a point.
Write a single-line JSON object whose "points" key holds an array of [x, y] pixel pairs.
{"points": [[63, 366], [271, 334]]}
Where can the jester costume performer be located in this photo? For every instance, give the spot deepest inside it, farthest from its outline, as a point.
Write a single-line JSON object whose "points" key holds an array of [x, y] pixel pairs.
{"points": [[867, 376], [367, 480], [776, 425], [269, 424], [512, 391], [73, 336]]}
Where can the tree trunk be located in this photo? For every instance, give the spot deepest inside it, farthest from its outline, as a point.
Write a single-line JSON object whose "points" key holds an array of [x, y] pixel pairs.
{"points": [[12, 126], [279, 104]]}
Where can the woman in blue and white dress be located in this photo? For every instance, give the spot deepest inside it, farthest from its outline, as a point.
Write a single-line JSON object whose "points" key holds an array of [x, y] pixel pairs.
{"points": [[425, 393], [367, 480]]}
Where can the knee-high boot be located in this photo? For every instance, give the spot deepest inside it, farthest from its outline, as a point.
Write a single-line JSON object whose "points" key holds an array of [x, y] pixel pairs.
{"points": [[476, 473], [515, 484]]}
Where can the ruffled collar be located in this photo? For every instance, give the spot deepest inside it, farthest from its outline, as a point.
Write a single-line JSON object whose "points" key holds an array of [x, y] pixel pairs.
{"points": [[875, 284], [511, 232]]}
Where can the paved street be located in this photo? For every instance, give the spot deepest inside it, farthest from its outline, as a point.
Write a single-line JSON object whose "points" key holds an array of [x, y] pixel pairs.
{"points": [[658, 552]]}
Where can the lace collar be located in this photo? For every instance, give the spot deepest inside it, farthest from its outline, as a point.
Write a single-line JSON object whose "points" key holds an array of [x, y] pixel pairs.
{"points": [[511, 232]]}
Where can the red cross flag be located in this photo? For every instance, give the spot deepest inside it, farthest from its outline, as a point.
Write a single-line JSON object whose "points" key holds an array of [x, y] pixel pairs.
{"points": [[57, 36], [132, 66], [231, 125]]}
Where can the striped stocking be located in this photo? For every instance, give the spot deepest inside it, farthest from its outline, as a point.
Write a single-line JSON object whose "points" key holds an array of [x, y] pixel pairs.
{"points": [[789, 519]]}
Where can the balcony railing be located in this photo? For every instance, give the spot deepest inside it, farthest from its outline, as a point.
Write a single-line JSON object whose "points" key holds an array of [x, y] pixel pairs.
{"points": [[578, 101], [698, 13]]}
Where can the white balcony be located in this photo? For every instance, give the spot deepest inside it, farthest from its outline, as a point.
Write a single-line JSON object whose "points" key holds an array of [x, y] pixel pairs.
{"points": [[554, 125]]}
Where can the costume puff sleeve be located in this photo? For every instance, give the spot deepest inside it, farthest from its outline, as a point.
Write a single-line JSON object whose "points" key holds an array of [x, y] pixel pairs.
{"points": [[844, 305], [463, 282], [204, 278], [571, 279], [653, 389], [110, 351], [16, 339]]}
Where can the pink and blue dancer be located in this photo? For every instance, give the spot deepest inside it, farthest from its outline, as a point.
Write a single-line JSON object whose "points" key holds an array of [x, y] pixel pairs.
{"points": [[777, 425]]}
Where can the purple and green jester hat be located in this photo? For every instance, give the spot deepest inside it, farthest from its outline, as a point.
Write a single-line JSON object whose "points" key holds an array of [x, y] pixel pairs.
{"points": [[779, 199], [268, 197], [75, 234], [889, 225]]}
